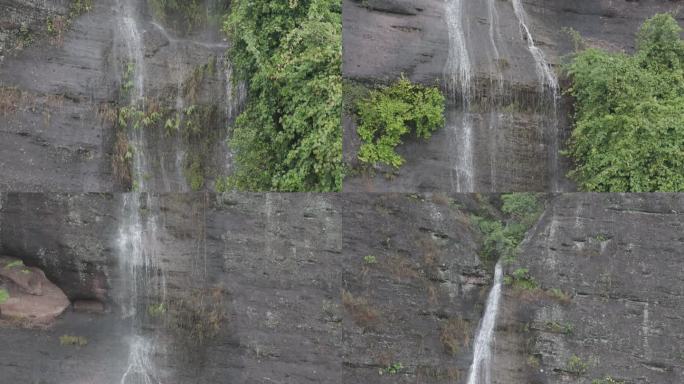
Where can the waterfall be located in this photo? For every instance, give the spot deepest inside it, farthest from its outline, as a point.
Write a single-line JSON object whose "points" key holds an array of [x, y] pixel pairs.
{"points": [[142, 278], [549, 82], [543, 68], [458, 75], [480, 370]]}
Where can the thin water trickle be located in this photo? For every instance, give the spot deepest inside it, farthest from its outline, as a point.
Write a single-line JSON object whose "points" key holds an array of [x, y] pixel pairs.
{"points": [[549, 82], [480, 369], [142, 274], [458, 74]]}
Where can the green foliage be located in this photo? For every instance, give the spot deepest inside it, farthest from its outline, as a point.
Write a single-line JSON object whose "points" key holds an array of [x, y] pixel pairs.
{"points": [[288, 137], [576, 365], [4, 295], [77, 341], [564, 328], [352, 92], [389, 113], [502, 238], [156, 310], [392, 369], [370, 259], [14, 264], [629, 125], [521, 279], [79, 7]]}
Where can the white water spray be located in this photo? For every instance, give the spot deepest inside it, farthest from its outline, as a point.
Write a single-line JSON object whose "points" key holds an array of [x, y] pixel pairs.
{"points": [[480, 370], [458, 74]]}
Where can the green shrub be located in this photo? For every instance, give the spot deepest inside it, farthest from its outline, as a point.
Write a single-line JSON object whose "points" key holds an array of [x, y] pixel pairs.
{"points": [[389, 113], [4, 295], [521, 279], [370, 259], [629, 127], [502, 238], [288, 137], [392, 369]]}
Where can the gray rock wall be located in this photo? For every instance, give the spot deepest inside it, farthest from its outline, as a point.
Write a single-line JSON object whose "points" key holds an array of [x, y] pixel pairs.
{"points": [[59, 93], [298, 288]]}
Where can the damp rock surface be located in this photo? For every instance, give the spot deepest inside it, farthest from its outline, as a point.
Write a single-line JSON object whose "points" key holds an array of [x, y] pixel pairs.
{"points": [[62, 85], [517, 131]]}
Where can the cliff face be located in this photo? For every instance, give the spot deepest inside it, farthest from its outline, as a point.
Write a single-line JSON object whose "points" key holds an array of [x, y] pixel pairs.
{"points": [[372, 288], [63, 83], [515, 128], [618, 259]]}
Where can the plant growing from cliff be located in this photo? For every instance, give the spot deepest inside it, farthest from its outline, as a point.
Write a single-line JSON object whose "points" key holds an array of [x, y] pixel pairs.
{"points": [[288, 137], [576, 366], [392, 369], [629, 127], [503, 237], [4, 295], [388, 114], [14, 264], [607, 380], [370, 260], [521, 279], [454, 334], [156, 310], [361, 312], [76, 341]]}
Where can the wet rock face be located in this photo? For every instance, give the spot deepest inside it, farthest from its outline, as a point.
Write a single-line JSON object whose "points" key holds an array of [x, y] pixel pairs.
{"points": [[412, 288], [618, 258], [271, 268], [60, 91], [515, 135]]}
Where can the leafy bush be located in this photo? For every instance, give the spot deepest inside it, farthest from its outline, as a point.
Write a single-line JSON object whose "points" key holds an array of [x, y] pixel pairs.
{"points": [[288, 138], [389, 113], [521, 279], [4, 295], [629, 125], [502, 238]]}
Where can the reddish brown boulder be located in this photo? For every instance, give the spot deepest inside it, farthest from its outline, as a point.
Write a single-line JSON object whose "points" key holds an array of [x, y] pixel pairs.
{"points": [[33, 299]]}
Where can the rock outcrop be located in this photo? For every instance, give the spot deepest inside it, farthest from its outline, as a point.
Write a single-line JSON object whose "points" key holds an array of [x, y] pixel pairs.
{"points": [[32, 299]]}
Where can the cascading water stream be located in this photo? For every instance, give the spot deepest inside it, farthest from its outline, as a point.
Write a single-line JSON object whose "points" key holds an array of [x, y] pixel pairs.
{"points": [[480, 369], [549, 82], [141, 270], [458, 75]]}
